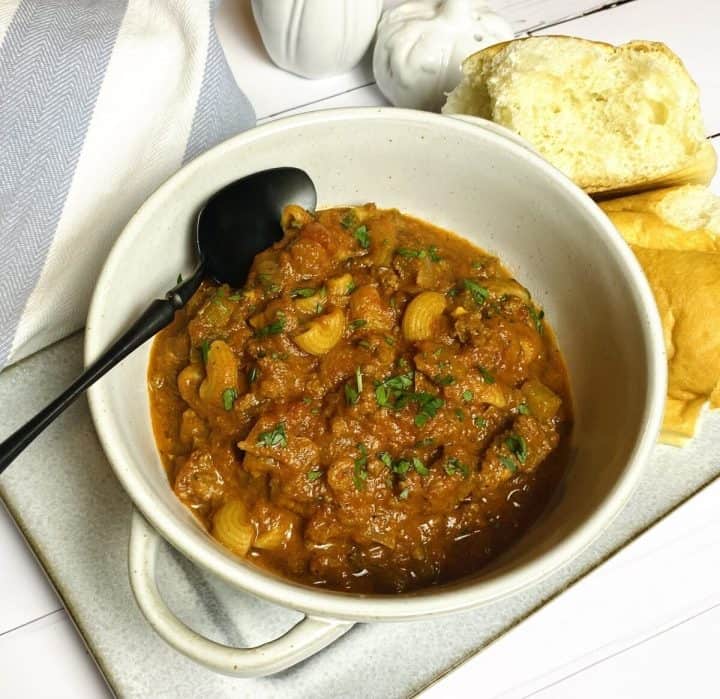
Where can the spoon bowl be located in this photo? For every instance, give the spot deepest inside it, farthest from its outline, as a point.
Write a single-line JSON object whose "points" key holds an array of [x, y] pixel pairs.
{"points": [[243, 219]]}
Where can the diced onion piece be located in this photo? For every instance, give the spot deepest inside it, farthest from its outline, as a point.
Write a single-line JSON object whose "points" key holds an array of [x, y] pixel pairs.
{"points": [[543, 403], [492, 394], [271, 539], [323, 333], [420, 315], [339, 286], [232, 527]]}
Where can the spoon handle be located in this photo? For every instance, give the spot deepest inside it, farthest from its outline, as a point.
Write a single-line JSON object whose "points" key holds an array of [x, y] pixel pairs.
{"points": [[159, 314]]}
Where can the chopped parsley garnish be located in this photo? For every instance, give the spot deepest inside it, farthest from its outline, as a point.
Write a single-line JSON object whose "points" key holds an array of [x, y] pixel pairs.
{"points": [[401, 466], [364, 344], [428, 407], [275, 437], [459, 414], [404, 494], [205, 350], [389, 340], [467, 396], [303, 292], [363, 237], [477, 264], [487, 377], [433, 253], [479, 422], [412, 253], [523, 409], [229, 396], [453, 465], [352, 393], [420, 468], [395, 393], [348, 220], [267, 283], [385, 458], [236, 297], [445, 380], [360, 473], [479, 293], [537, 318], [508, 463], [391, 390], [179, 279], [350, 288], [358, 323], [517, 446], [274, 328], [314, 474]]}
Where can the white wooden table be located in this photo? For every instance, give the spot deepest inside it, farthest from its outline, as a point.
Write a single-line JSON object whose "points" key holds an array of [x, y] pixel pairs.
{"points": [[41, 655]]}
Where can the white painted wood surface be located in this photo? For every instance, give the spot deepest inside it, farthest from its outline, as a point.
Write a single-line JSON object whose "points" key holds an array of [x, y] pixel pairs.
{"points": [[41, 655]]}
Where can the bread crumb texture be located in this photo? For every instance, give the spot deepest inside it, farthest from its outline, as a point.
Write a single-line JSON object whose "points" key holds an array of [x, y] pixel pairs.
{"points": [[608, 117], [675, 234]]}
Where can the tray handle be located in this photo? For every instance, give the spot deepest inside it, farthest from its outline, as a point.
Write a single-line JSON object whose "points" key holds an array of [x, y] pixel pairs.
{"points": [[304, 639]]}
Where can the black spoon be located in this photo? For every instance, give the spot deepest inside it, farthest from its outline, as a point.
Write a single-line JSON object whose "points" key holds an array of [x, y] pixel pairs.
{"points": [[235, 224]]}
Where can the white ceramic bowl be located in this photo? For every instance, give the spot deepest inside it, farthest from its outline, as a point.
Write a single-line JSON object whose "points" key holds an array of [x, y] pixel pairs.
{"points": [[470, 178]]}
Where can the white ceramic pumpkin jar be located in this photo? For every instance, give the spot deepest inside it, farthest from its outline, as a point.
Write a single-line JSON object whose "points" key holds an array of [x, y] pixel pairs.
{"points": [[316, 38], [421, 45]]}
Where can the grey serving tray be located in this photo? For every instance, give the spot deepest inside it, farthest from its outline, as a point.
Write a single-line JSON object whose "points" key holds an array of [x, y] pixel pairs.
{"points": [[76, 517]]}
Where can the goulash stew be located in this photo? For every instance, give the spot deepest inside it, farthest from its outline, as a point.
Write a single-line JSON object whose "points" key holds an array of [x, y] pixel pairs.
{"points": [[377, 410]]}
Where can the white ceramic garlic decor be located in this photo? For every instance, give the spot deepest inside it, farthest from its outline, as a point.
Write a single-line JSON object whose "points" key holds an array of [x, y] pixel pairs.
{"points": [[421, 45], [316, 38]]}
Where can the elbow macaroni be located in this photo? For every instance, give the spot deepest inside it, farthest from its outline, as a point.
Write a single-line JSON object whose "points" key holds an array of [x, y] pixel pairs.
{"points": [[323, 333], [421, 314], [232, 527]]}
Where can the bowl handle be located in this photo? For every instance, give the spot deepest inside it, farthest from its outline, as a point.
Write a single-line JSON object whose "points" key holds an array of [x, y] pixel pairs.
{"points": [[305, 638]]}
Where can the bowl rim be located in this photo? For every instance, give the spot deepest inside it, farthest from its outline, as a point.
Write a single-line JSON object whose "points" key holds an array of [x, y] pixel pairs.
{"points": [[428, 601]]}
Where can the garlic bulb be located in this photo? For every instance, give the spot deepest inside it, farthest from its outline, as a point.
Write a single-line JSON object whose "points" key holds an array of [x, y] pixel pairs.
{"points": [[421, 45], [316, 38]]}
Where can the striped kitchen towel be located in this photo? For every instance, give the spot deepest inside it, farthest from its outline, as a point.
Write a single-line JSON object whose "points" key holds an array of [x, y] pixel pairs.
{"points": [[100, 102]]}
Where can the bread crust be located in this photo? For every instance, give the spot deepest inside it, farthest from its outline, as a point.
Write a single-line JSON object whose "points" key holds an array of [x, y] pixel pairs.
{"points": [[699, 167], [683, 268]]}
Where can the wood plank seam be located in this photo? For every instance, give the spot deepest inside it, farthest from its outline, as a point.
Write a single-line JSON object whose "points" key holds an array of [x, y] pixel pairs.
{"points": [[274, 115], [587, 13], [31, 621], [538, 27]]}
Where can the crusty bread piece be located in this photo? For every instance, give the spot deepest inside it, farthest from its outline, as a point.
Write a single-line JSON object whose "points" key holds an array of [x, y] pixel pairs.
{"points": [[678, 218], [614, 119], [675, 234]]}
